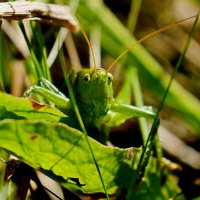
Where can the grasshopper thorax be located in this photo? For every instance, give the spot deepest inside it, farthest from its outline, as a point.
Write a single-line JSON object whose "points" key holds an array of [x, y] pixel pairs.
{"points": [[93, 92]]}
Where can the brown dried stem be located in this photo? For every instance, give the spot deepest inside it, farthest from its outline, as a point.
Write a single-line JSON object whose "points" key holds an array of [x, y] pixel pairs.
{"points": [[49, 13]]}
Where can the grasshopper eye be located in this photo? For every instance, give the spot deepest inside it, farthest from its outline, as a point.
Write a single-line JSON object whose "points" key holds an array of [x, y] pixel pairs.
{"points": [[87, 77], [110, 78]]}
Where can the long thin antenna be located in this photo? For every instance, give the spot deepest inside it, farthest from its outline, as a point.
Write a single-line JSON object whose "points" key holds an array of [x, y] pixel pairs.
{"points": [[145, 38], [90, 46]]}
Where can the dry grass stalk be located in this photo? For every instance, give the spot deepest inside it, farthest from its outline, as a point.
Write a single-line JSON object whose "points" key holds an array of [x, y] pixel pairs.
{"points": [[49, 13]]}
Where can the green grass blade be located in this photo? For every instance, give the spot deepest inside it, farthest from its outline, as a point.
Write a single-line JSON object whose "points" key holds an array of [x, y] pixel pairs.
{"points": [[34, 58], [38, 40], [133, 15], [148, 147], [139, 103], [1, 62], [180, 61], [78, 115]]}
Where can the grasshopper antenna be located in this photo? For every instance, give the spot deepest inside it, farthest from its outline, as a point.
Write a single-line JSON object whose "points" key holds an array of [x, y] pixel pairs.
{"points": [[90, 47], [145, 38]]}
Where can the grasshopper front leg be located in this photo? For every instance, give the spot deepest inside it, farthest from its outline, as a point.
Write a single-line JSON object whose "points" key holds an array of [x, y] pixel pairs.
{"points": [[132, 111], [119, 113], [51, 93], [44, 83]]}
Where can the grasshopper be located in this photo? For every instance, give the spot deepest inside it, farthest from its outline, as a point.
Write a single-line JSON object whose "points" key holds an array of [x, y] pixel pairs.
{"points": [[93, 90]]}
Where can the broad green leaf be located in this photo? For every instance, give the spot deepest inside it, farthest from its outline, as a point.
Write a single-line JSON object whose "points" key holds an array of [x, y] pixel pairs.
{"points": [[20, 108], [62, 152]]}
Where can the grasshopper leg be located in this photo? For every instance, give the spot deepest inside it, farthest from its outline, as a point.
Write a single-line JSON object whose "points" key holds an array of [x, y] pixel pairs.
{"points": [[44, 83], [59, 100], [132, 111]]}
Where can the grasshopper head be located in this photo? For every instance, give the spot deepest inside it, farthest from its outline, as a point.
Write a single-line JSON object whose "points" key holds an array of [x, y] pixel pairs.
{"points": [[93, 92]]}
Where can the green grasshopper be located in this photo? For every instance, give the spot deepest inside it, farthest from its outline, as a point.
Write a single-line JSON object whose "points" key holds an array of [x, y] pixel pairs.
{"points": [[93, 91], [94, 96]]}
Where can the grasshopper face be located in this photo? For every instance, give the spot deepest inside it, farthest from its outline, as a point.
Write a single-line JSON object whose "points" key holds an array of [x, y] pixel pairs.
{"points": [[93, 92]]}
